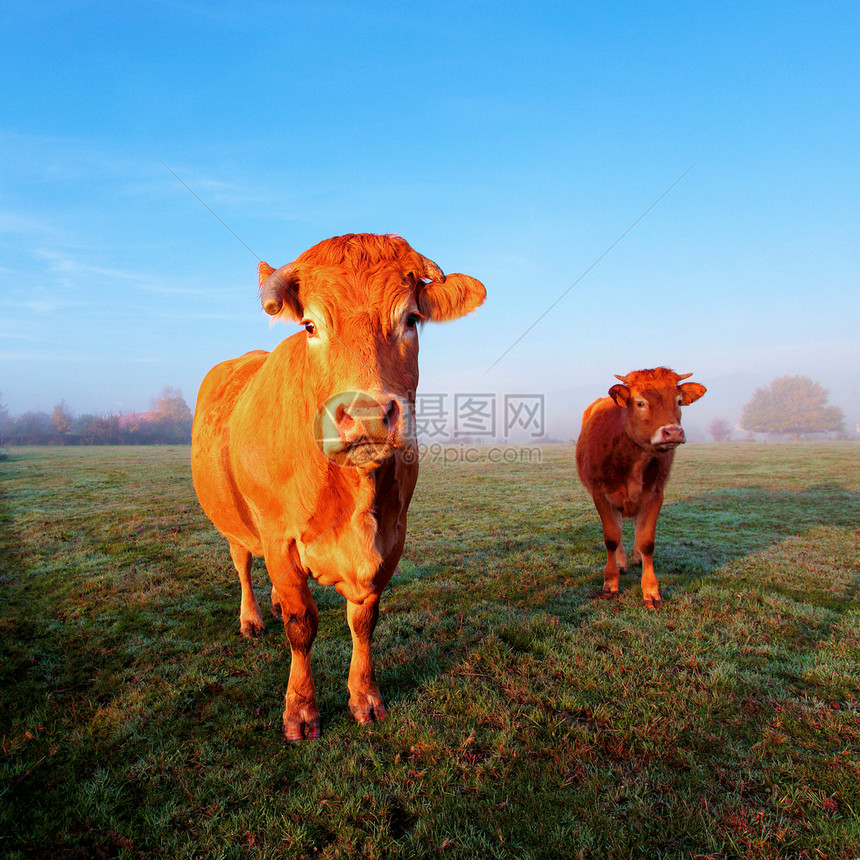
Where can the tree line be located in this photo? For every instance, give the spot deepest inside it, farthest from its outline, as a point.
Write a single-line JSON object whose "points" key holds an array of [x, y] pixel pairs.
{"points": [[790, 405], [167, 423]]}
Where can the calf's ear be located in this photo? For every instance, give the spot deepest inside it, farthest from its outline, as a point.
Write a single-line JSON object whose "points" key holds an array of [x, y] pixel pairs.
{"points": [[279, 291], [620, 394], [450, 297], [691, 391]]}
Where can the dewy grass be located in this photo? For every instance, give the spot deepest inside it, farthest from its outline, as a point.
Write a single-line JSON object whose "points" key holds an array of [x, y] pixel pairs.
{"points": [[526, 716]]}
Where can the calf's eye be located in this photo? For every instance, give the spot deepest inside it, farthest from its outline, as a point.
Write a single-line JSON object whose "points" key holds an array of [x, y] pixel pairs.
{"points": [[310, 328], [412, 320]]}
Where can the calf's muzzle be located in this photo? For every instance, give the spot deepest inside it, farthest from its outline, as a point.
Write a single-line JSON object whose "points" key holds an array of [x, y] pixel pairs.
{"points": [[668, 436]]}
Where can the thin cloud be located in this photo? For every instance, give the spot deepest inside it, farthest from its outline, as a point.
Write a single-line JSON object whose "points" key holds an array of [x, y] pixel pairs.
{"points": [[70, 266]]}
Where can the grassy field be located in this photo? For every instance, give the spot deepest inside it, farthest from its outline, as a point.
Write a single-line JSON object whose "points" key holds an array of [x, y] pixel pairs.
{"points": [[526, 717]]}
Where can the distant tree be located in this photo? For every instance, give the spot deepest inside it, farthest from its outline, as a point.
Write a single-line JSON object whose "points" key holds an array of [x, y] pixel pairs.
{"points": [[172, 417], [97, 430], [31, 428], [791, 405], [720, 430], [4, 420], [103, 430], [61, 420], [81, 426]]}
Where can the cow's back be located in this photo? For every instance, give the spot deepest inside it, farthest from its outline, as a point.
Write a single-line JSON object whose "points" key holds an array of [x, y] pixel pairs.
{"points": [[211, 468]]}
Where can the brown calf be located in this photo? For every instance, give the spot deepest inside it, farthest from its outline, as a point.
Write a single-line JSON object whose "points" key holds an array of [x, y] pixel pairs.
{"points": [[307, 455], [624, 454]]}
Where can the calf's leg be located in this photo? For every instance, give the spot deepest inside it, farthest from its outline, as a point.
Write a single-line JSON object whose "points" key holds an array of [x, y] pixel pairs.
{"points": [[250, 620], [365, 700], [621, 553], [646, 529], [611, 520]]}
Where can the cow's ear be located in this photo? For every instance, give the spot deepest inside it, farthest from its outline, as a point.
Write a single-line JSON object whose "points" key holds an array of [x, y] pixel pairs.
{"points": [[691, 391], [620, 394], [450, 297], [279, 291]]}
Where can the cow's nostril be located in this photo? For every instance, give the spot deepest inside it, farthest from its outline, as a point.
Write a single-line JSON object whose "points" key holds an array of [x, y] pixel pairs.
{"points": [[391, 414], [342, 418]]}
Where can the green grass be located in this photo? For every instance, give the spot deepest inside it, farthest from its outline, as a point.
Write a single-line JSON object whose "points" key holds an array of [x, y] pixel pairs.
{"points": [[527, 717]]}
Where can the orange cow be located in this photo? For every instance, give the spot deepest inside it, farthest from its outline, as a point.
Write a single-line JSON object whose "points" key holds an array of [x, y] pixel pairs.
{"points": [[624, 455], [307, 455]]}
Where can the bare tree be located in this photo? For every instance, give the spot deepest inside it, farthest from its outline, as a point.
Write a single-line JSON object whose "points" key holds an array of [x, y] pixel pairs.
{"points": [[720, 430]]}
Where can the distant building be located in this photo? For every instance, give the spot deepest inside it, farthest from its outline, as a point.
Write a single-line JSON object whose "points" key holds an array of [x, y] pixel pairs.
{"points": [[133, 418]]}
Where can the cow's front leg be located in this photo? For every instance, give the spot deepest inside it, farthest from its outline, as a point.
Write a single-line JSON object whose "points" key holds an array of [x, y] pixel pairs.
{"points": [[611, 520], [290, 594], [646, 530], [301, 620], [365, 700]]}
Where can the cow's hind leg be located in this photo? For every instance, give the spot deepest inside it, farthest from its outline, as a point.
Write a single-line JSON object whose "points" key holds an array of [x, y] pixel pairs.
{"points": [[277, 609], [250, 620], [611, 521], [365, 700], [621, 554]]}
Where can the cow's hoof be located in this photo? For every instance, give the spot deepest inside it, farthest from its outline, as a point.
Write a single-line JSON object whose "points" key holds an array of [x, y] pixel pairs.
{"points": [[299, 729], [367, 709], [653, 602], [607, 594], [251, 629]]}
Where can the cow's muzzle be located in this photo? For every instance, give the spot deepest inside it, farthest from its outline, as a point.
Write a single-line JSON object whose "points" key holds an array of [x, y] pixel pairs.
{"points": [[357, 428], [668, 437]]}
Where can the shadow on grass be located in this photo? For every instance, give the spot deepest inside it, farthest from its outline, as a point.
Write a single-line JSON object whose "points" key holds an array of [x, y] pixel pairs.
{"points": [[703, 533], [557, 568], [470, 583]]}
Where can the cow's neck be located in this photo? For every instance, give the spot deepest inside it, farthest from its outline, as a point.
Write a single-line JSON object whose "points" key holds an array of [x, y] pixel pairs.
{"points": [[341, 543], [642, 467]]}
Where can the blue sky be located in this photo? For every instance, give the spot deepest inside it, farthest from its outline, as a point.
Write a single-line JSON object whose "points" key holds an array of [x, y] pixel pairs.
{"points": [[515, 142]]}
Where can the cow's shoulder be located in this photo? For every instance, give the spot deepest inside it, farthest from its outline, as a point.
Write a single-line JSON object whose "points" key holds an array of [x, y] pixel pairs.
{"points": [[233, 371], [600, 407], [223, 385]]}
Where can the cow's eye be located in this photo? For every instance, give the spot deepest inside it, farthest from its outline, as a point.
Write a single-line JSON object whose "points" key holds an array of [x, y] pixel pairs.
{"points": [[641, 404], [680, 400], [413, 319], [310, 328]]}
